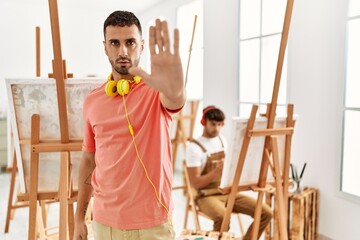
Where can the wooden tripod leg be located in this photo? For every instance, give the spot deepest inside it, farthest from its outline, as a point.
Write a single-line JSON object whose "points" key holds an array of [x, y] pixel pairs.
{"points": [[257, 216], [34, 174], [242, 156], [43, 212], [63, 194], [11, 193], [186, 212], [41, 223], [279, 191], [286, 166], [71, 220]]}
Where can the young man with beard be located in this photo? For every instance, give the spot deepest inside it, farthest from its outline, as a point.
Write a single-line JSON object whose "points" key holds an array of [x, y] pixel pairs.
{"points": [[126, 162], [205, 158]]}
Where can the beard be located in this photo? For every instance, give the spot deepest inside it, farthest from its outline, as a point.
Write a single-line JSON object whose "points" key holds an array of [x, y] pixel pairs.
{"points": [[211, 134], [123, 70]]}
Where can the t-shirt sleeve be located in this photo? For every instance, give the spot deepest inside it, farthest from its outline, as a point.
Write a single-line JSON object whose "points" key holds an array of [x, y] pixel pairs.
{"points": [[193, 155], [89, 137]]}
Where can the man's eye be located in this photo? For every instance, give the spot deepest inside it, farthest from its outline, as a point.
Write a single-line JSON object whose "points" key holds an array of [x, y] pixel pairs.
{"points": [[114, 43], [131, 42]]}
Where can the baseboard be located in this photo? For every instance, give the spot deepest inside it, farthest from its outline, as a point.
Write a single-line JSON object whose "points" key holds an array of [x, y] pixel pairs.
{"points": [[323, 237]]}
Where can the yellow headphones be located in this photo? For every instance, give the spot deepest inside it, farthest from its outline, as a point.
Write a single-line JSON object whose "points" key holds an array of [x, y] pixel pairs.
{"points": [[122, 87]]}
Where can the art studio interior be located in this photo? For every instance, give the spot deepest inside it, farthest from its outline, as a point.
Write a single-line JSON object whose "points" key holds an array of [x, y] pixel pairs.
{"points": [[284, 72]]}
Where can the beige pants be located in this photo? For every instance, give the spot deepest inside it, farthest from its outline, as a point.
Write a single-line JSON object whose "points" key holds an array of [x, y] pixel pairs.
{"points": [[214, 207], [161, 232]]}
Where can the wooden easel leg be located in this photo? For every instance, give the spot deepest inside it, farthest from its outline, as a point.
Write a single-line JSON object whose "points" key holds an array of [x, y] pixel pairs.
{"points": [[71, 220], [11, 193], [241, 225], [186, 212], [239, 168], [257, 216], [63, 194], [174, 151], [279, 191], [40, 220], [34, 173], [42, 206], [288, 138], [196, 219]]}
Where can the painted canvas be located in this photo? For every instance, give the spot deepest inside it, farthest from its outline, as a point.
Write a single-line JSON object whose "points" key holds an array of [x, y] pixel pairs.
{"points": [[38, 96]]}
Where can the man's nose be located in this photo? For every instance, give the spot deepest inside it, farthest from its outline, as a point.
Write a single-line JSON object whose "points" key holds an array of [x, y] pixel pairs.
{"points": [[123, 51]]}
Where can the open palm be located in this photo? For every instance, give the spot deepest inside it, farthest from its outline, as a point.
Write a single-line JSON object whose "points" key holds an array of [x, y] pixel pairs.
{"points": [[166, 69]]}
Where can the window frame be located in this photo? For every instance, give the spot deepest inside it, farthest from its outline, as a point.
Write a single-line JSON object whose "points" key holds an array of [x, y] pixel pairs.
{"points": [[260, 37]]}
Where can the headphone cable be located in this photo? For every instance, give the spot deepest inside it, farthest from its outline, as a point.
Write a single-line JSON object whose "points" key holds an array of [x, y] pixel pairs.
{"points": [[141, 161]]}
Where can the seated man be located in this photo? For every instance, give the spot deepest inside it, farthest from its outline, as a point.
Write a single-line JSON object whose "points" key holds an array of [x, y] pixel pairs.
{"points": [[205, 158]]}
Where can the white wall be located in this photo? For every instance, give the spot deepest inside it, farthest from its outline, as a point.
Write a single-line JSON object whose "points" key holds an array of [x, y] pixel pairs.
{"points": [[316, 82], [221, 61]]}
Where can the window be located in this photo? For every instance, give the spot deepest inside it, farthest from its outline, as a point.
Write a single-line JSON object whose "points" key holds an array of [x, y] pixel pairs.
{"points": [[185, 22], [350, 177], [261, 23]]}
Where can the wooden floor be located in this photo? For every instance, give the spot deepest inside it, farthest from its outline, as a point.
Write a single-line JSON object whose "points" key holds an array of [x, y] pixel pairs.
{"points": [[19, 225]]}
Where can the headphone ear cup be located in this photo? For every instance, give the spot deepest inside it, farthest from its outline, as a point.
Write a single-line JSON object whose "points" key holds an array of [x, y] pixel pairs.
{"points": [[203, 121], [123, 87], [111, 89]]}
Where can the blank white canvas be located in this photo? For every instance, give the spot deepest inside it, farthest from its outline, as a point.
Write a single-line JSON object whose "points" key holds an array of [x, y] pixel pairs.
{"points": [[251, 169]]}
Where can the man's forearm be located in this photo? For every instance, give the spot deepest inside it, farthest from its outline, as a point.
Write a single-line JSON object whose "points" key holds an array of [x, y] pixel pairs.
{"points": [[84, 188], [203, 180], [174, 101]]}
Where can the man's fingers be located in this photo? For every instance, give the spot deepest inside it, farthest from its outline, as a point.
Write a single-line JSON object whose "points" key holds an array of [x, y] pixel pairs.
{"points": [[165, 34], [152, 41], [176, 41], [158, 36]]}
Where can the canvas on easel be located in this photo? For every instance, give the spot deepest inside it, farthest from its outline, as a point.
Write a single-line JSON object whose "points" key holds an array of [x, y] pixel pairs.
{"points": [[38, 96], [28, 97], [256, 163], [253, 159], [183, 125], [270, 154]]}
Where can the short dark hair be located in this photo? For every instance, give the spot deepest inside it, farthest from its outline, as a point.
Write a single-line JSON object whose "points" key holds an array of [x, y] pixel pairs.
{"points": [[121, 19], [214, 114]]}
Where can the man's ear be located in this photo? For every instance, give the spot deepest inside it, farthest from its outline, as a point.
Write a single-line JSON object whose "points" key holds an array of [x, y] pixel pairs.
{"points": [[142, 46]]}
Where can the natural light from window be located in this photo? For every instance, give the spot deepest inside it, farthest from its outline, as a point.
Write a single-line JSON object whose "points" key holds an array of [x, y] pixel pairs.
{"points": [[261, 23], [350, 176]]}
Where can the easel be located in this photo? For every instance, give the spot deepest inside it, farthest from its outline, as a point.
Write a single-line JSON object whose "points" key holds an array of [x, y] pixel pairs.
{"points": [[270, 155], [180, 134], [181, 137], [13, 168], [65, 194]]}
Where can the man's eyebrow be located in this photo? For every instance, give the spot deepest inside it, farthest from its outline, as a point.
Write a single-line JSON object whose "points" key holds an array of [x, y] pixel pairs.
{"points": [[112, 40], [131, 39], [128, 39]]}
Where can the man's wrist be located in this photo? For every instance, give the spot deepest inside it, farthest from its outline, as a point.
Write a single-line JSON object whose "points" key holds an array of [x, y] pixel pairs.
{"points": [[79, 217]]}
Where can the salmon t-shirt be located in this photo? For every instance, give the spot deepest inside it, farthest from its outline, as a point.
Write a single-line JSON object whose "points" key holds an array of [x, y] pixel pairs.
{"points": [[123, 196]]}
